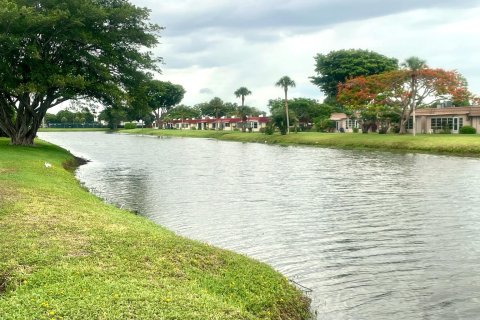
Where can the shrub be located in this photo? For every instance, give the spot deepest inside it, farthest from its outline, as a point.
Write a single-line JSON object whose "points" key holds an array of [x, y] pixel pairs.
{"points": [[269, 129], [383, 130], [467, 130], [395, 128], [324, 124], [355, 130], [446, 130], [130, 125]]}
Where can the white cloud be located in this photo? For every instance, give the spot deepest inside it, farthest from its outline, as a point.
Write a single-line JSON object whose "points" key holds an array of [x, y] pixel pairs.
{"points": [[211, 49]]}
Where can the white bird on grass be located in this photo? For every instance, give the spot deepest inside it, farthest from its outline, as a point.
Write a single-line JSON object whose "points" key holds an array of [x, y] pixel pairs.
{"points": [[48, 165]]}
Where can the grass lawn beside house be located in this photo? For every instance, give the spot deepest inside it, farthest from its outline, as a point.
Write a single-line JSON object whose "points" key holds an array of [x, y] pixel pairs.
{"points": [[455, 144], [65, 254]]}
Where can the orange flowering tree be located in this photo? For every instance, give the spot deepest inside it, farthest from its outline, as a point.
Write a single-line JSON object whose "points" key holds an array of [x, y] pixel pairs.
{"points": [[389, 95]]}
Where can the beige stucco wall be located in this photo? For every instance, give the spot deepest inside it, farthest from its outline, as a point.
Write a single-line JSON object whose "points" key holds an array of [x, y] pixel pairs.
{"points": [[476, 123], [424, 123]]}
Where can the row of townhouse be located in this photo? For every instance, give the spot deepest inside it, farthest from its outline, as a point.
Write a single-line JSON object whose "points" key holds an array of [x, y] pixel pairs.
{"points": [[428, 120], [253, 124]]}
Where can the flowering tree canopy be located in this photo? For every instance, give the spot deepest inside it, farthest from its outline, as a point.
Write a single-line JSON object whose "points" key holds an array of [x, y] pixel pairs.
{"points": [[392, 93]]}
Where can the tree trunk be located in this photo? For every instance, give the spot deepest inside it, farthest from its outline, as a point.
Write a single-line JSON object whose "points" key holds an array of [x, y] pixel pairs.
{"points": [[244, 123], [23, 140], [414, 94], [24, 137], [286, 111], [157, 118], [244, 117], [23, 130], [402, 127]]}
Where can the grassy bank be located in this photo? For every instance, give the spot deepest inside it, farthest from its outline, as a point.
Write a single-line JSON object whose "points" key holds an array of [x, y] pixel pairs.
{"points": [[64, 254], [454, 144]]}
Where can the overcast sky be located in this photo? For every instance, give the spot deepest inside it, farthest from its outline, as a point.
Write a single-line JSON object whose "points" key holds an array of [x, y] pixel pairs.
{"points": [[213, 47]]}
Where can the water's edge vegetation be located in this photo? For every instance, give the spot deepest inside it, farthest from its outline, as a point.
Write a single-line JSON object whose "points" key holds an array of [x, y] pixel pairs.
{"points": [[66, 254], [464, 145]]}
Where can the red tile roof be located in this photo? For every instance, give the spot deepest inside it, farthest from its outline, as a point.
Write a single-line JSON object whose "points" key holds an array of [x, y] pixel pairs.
{"points": [[221, 120]]}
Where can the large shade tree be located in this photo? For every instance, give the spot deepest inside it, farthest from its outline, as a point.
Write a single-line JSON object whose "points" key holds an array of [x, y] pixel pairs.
{"points": [[159, 96], [285, 82], [391, 93], [307, 111], [181, 112], [113, 116], [52, 51], [216, 108], [338, 66]]}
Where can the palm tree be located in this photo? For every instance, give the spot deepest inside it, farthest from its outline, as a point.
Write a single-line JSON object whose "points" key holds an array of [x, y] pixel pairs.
{"points": [[414, 64], [286, 82], [241, 93]]}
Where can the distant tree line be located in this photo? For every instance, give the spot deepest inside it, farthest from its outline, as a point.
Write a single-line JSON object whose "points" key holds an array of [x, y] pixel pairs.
{"points": [[374, 89], [57, 51], [70, 116]]}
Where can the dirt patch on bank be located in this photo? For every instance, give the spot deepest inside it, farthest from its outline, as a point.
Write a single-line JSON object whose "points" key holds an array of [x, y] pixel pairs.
{"points": [[72, 164], [8, 193], [3, 283], [7, 170]]}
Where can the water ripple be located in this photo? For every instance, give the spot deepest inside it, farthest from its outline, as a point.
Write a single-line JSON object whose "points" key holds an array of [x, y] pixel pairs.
{"points": [[375, 235]]}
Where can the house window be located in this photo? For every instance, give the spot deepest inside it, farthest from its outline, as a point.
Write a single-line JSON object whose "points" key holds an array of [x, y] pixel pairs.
{"points": [[255, 125], [227, 124], [444, 123], [350, 123], [409, 125]]}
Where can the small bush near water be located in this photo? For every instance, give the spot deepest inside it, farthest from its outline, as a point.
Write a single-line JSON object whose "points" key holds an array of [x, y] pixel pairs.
{"points": [[468, 130], [269, 129], [130, 126]]}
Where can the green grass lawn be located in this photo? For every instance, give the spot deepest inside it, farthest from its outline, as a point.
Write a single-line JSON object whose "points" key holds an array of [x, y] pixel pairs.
{"points": [[455, 144], [65, 254]]}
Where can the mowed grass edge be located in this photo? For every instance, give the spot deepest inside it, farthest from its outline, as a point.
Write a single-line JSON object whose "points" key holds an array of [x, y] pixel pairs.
{"points": [[65, 254], [454, 144]]}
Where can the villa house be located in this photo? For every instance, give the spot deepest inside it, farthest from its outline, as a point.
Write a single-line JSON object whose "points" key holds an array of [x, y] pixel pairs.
{"points": [[343, 123], [434, 120], [253, 124], [428, 120]]}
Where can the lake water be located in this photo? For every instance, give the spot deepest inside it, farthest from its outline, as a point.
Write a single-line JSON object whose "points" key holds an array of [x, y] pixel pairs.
{"points": [[375, 235]]}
